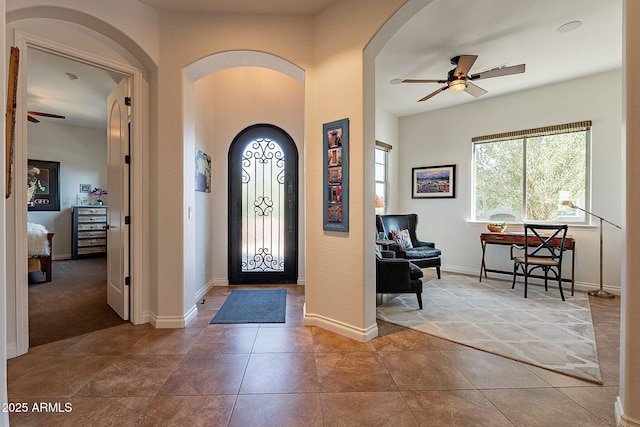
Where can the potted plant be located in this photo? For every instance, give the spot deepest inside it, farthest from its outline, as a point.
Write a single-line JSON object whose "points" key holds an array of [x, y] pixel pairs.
{"points": [[99, 192]]}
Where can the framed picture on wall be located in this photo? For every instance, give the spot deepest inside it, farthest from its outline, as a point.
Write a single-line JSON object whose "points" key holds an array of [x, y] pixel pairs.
{"points": [[335, 146], [43, 185], [433, 182]]}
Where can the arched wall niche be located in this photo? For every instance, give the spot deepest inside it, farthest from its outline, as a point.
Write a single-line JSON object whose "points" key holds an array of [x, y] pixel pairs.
{"points": [[193, 74], [242, 58]]}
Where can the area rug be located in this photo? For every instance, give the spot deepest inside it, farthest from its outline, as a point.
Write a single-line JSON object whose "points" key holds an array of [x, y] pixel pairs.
{"points": [[253, 306], [540, 330]]}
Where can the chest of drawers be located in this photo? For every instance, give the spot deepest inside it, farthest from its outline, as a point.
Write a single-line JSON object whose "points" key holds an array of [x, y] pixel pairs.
{"points": [[89, 231]]}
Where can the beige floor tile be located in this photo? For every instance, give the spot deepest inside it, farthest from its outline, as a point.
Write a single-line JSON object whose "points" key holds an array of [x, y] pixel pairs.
{"points": [[424, 370], [398, 338], [112, 341], [24, 414], [454, 408], [277, 410], [225, 340], [541, 407], [200, 374], [353, 371], [284, 340], [280, 373], [192, 411], [487, 370], [166, 341], [57, 377], [85, 411], [366, 409], [132, 375], [597, 400]]}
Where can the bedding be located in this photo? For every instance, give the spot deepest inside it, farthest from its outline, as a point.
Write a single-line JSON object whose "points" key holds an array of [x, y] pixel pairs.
{"points": [[38, 245]]}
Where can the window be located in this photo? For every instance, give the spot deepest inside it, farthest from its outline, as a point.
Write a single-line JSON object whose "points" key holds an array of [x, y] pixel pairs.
{"points": [[524, 175], [381, 169]]}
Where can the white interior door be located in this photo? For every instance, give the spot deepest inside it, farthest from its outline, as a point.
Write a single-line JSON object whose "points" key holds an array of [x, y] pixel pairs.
{"points": [[118, 207]]}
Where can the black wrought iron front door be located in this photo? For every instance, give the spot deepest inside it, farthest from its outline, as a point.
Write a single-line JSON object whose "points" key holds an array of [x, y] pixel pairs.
{"points": [[263, 209]]}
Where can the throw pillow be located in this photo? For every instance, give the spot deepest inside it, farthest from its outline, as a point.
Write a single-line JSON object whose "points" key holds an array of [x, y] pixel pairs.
{"points": [[402, 238]]}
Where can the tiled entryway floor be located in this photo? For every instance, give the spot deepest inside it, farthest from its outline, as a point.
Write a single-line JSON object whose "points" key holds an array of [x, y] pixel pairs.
{"points": [[292, 375]]}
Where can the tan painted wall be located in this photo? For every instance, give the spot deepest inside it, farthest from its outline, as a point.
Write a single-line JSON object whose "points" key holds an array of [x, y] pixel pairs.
{"points": [[229, 101], [337, 263]]}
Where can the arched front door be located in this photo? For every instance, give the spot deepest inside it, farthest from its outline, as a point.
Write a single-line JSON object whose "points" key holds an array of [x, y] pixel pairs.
{"points": [[263, 206]]}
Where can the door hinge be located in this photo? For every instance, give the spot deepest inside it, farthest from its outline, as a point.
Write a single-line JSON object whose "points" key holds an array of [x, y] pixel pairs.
{"points": [[127, 219], [127, 281], [127, 159], [127, 100]]}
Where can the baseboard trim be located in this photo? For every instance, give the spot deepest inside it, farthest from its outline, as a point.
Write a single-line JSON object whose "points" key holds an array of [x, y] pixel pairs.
{"points": [[358, 334], [12, 351], [173, 322], [579, 286], [220, 282], [203, 291], [621, 419]]}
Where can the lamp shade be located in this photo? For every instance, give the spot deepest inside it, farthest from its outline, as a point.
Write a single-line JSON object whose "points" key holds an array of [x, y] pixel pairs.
{"points": [[379, 202]]}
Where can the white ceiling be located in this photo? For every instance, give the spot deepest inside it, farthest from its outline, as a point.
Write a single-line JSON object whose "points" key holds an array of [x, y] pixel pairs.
{"points": [[500, 32], [83, 102]]}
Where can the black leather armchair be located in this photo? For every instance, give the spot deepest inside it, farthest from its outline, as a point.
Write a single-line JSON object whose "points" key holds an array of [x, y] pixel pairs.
{"points": [[423, 254], [397, 276]]}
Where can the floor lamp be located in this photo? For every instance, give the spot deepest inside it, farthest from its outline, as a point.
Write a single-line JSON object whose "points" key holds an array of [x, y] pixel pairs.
{"points": [[600, 293]]}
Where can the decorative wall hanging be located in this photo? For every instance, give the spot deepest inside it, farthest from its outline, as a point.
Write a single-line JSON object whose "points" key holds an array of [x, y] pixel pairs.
{"points": [[43, 190], [336, 175], [433, 182], [203, 172], [10, 130]]}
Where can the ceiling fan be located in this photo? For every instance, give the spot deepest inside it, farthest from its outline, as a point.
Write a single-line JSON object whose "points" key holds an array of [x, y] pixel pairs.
{"points": [[32, 119], [459, 78]]}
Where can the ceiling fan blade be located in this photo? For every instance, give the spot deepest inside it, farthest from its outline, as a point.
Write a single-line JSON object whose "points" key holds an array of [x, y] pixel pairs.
{"points": [[434, 93], [465, 62], [516, 69], [32, 119], [423, 81], [474, 90], [53, 116]]}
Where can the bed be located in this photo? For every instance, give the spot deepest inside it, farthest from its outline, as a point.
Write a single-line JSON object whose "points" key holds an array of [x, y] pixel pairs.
{"points": [[40, 246]]}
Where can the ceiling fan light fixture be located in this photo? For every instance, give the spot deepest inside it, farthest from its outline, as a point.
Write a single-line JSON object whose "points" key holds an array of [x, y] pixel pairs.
{"points": [[457, 85]]}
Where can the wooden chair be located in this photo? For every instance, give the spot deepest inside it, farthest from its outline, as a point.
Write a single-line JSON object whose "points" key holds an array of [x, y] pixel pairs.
{"points": [[540, 253]]}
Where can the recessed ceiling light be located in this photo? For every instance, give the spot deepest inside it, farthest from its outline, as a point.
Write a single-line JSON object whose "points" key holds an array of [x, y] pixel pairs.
{"points": [[72, 77], [569, 26], [395, 81]]}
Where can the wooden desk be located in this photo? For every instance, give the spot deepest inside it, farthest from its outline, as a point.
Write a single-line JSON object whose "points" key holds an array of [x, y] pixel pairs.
{"points": [[518, 239]]}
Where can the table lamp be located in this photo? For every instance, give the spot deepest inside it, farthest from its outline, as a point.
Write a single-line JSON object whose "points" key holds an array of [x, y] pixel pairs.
{"points": [[600, 293]]}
